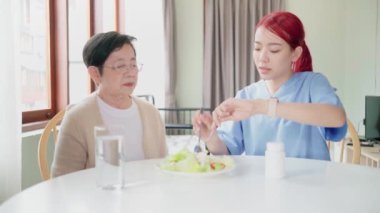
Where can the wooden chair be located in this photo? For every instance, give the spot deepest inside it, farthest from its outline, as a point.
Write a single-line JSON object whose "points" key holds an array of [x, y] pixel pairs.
{"points": [[50, 128], [353, 136]]}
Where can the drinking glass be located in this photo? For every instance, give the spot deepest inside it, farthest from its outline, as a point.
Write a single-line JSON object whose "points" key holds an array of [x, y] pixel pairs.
{"points": [[109, 157]]}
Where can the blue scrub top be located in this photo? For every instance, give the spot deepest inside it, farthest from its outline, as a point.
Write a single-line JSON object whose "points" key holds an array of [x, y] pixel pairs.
{"points": [[300, 140]]}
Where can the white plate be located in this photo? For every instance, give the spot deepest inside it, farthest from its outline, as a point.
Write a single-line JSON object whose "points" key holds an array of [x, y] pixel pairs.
{"points": [[197, 174]]}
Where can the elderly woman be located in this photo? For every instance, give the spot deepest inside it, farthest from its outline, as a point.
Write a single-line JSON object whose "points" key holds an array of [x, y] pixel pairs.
{"points": [[112, 65]]}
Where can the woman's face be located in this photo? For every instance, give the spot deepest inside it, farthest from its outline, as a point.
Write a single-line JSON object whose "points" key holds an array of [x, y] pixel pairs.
{"points": [[272, 55], [119, 77]]}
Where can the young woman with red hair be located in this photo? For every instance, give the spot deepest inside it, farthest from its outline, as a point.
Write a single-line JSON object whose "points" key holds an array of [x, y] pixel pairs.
{"points": [[290, 103]]}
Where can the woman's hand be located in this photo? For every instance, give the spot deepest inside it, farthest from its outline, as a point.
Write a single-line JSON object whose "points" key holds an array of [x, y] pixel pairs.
{"points": [[238, 109], [203, 124]]}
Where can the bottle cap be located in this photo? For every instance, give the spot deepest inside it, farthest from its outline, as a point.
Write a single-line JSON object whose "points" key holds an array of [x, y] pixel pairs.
{"points": [[275, 146]]}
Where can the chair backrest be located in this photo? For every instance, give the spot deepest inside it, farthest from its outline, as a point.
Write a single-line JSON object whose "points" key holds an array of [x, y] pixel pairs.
{"points": [[353, 136], [355, 144], [50, 129]]}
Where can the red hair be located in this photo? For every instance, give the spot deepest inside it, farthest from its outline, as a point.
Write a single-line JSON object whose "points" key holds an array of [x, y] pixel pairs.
{"points": [[290, 28]]}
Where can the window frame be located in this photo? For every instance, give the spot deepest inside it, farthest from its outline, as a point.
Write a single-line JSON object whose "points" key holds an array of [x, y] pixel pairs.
{"points": [[56, 50], [57, 11]]}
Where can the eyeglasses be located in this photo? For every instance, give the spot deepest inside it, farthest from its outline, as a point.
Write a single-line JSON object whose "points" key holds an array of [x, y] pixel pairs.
{"points": [[123, 68]]}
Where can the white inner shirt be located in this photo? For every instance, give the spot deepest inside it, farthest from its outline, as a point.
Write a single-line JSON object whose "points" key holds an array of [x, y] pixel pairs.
{"points": [[130, 119]]}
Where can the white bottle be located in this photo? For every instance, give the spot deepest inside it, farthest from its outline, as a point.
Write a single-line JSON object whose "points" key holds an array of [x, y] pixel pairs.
{"points": [[275, 160]]}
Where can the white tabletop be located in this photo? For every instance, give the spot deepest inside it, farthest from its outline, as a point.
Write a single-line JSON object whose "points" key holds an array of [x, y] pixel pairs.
{"points": [[309, 186]]}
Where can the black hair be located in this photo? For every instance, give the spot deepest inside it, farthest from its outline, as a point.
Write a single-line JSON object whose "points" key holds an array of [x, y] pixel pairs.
{"points": [[100, 46]]}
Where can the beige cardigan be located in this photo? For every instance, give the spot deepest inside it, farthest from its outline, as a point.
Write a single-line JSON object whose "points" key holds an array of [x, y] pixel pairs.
{"points": [[75, 146]]}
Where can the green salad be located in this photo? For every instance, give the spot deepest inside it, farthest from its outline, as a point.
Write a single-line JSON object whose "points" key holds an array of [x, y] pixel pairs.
{"points": [[189, 162]]}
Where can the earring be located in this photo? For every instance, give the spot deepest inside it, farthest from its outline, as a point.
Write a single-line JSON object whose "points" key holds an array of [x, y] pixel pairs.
{"points": [[96, 82], [293, 66]]}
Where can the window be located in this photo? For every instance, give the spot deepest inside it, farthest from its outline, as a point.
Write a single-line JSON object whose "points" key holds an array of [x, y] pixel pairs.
{"points": [[78, 22], [43, 44], [107, 12], [34, 54], [149, 32], [79, 27]]}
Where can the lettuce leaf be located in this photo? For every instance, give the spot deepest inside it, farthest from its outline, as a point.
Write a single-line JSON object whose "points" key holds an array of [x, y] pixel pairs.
{"points": [[189, 162]]}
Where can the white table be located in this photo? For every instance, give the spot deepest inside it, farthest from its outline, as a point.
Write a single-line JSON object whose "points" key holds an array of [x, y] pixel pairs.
{"points": [[310, 186]]}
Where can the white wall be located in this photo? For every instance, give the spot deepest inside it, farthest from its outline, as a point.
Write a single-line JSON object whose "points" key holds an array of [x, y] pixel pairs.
{"points": [[361, 70], [342, 39], [324, 28]]}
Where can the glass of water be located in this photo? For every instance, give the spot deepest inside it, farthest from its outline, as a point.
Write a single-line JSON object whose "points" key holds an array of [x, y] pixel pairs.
{"points": [[109, 157]]}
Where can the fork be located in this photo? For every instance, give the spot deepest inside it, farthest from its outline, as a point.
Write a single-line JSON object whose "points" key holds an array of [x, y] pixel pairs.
{"points": [[197, 147]]}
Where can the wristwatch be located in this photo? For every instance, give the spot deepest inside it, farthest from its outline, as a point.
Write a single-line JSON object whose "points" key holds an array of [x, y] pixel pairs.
{"points": [[272, 106]]}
